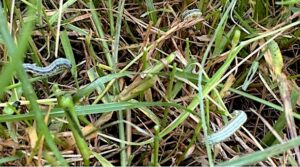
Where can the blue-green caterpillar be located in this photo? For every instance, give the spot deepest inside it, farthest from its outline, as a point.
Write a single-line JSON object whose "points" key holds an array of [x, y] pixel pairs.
{"points": [[239, 119], [54, 68], [191, 13]]}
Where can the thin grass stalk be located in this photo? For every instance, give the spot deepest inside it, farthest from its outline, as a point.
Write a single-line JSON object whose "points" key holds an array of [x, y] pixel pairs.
{"points": [[66, 102], [203, 118], [69, 54], [193, 140], [155, 152], [111, 17], [60, 10], [115, 47], [100, 33]]}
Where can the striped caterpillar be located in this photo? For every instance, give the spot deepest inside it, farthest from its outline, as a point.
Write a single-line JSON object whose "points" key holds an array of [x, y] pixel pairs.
{"points": [[54, 68], [228, 130], [190, 14]]}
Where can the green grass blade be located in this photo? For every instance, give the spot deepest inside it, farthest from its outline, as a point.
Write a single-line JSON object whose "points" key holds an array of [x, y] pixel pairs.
{"points": [[111, 16], [80, 31], [100, 32], [102, 160], [18, 156], [65, 6], [66, 102], [69, 54], [92, 109], [255, 157], [93, 86], [117, 35], [152, 11]]}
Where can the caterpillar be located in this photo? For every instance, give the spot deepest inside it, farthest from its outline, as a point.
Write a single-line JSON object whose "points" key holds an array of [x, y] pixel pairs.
{"points": [[54, 68], [191, 13], [228, 130]]}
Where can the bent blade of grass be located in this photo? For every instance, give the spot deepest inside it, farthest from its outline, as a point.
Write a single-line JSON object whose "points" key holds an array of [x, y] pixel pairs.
{"points": [[178, 84], [151, 71], [222, 41], [244, 23]]}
